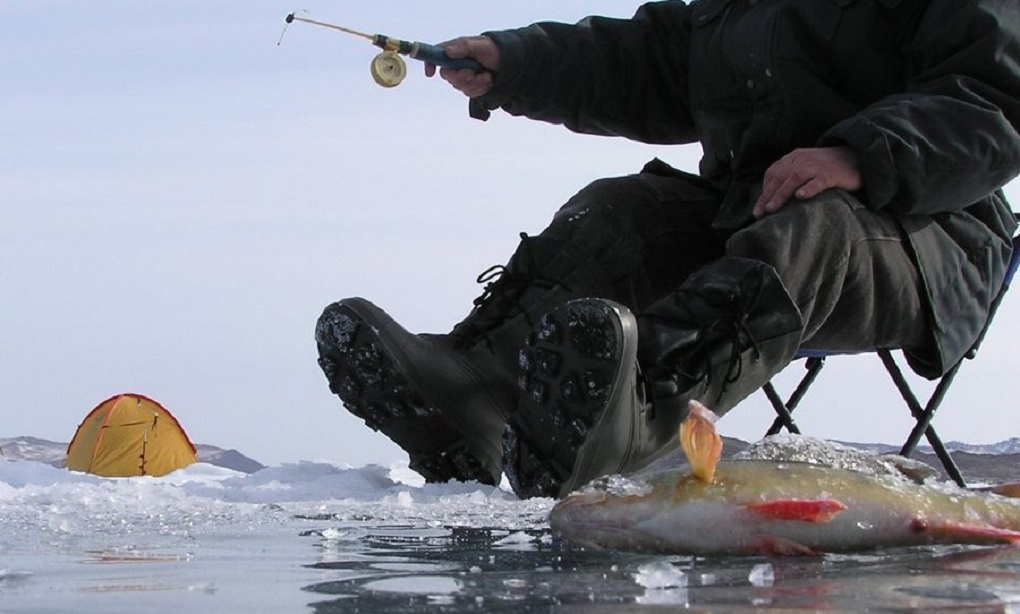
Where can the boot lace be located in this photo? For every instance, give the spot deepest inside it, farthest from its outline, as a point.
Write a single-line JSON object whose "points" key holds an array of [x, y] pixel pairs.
{"points": [[502, 298], [731, 328]]}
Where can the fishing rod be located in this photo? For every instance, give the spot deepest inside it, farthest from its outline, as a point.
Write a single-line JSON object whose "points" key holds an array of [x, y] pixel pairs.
{"points": [[388, 68]]}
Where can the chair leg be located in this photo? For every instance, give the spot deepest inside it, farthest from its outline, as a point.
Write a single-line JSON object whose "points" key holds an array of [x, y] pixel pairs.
{"points": [[784, 410], [924, 416], [783, 416]]}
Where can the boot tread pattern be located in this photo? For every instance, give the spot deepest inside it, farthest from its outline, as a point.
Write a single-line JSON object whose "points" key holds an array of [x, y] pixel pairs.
{"points": [[566, 378]]}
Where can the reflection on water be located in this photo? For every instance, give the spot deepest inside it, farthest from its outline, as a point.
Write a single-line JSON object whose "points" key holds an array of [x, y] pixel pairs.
{"points": [[408, 568]]}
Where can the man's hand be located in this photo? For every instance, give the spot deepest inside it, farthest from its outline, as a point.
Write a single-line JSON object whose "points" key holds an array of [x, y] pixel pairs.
{"points": [[468, 81], [805, 173]]}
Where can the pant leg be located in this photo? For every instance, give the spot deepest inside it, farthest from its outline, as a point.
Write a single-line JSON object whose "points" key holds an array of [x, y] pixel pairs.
{"points": [[849, 270], [643, 233]]}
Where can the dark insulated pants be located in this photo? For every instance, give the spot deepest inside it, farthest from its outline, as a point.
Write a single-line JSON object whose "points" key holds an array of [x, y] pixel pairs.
{"points": [[849, 270]]}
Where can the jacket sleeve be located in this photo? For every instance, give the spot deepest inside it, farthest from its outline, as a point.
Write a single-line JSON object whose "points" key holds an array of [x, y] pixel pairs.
{"points": [[617, 77], [952, 137]]}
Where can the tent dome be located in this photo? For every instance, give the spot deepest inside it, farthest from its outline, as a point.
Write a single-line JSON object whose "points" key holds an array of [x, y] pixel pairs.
{"points": [[129, 435]]}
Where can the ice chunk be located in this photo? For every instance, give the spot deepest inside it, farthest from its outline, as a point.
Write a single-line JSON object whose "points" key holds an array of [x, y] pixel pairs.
{"points": [[431, 586], [762, 575], [10, 576], [619, 486], [660, 575], [792, 448], [515, 539]]}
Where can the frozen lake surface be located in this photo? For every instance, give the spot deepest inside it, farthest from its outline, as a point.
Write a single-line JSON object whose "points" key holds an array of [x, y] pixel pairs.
{"points": [[320, 538]]}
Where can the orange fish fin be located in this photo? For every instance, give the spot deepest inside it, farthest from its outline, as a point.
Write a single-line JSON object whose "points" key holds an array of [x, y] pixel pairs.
{"points": [[1008, 490], [700, 441], [967, 533], [779, 546], [806, 510]]}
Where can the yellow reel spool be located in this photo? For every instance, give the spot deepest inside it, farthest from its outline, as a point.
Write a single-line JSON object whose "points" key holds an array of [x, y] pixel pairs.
{"points": [[388, 69]]}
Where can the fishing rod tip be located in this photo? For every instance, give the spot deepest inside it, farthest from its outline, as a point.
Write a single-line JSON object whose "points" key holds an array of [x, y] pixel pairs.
{"points": [[290, 18]]}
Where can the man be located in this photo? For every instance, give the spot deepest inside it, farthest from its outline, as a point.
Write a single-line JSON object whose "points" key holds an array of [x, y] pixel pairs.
{"points": [[848, 199]]}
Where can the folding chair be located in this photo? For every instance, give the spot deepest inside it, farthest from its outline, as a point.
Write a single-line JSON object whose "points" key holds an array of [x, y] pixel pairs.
{"points": [[815, 360]]}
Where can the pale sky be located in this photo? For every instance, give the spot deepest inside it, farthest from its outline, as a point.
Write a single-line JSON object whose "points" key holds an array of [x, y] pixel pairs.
{"points": [[181, 197]]}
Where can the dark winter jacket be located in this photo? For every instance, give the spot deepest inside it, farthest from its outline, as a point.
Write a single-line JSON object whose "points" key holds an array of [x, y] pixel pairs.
{"points": [[927, 92]]}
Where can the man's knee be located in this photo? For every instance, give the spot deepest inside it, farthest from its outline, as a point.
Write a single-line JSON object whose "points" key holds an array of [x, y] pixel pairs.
{"points": [[603, 217], [800, 231], [602, 202], [641, 204]]}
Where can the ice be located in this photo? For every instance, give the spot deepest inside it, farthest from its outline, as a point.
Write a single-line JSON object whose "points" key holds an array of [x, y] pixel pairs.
{"points": [[208, 533], [619, 486], [664, 583], [10, 576], [787, 447], [69, 506], [672, 597], [661, 574], [762, 575], [324, 538], [515, 539], [432, 586]]}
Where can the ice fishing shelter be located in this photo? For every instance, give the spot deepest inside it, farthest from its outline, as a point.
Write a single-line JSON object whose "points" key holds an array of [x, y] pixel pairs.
{"points": [[128, 435]]}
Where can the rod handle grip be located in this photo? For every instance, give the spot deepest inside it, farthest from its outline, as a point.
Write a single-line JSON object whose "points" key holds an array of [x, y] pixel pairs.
{"points": [[434, 54]]}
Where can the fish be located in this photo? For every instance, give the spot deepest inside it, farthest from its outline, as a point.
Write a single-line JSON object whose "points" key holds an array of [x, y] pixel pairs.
{"points": [[786, 496]]}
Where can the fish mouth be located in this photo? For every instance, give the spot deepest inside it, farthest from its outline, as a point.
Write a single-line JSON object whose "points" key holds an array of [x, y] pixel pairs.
{"points": [[585, 519]]}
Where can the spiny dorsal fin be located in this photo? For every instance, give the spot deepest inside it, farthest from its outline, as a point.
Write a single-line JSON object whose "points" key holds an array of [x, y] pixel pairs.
{"points": [[700, 442]]}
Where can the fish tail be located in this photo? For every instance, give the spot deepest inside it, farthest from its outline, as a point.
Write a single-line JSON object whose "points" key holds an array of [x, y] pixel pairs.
{"points": [[965, 533]]}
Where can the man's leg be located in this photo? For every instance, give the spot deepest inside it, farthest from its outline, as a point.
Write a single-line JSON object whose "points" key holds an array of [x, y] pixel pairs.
{"points": [[444, 398], [651, 232], [825, 272], [849, 270], [644, 233]]}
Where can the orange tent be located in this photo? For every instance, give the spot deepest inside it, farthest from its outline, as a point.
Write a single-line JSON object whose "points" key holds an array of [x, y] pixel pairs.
{"points": [[128, 435]]}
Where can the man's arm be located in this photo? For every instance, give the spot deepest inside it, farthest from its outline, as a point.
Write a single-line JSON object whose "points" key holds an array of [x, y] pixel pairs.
{"points": [[619, 77], [951, 138]]}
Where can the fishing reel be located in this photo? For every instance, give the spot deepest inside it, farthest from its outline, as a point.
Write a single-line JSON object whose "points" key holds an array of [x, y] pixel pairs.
{"points": [[388, 68]]}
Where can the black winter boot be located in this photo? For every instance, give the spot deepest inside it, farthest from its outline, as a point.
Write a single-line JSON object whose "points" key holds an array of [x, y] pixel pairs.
{"points": [[724, 333], [580, 409], [444, 398], [588, 409], [417, 389]]}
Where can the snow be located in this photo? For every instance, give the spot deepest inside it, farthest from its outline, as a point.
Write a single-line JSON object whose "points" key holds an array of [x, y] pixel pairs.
{"points": [[70, 503]]}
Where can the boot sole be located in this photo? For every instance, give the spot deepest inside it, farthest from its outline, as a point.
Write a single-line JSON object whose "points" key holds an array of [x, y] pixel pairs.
{"points": [[373, 387], [571, 367]]}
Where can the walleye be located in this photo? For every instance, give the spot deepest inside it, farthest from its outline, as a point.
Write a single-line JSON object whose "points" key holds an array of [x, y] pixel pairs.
{"points": [[787, 495]]}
